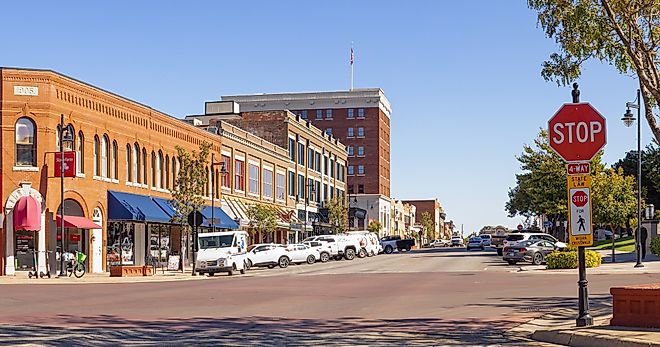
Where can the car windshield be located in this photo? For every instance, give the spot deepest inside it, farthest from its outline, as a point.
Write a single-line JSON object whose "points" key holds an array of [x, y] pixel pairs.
{"points": [[515, 237], [475, 239], [206, 242], [527, 243]]}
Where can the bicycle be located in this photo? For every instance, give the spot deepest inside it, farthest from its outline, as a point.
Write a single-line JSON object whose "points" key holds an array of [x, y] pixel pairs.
{"points": [[76, 266]]}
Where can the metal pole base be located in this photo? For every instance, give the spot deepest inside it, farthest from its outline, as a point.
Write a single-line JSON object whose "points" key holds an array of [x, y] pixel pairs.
{"points": [[584, 321]]}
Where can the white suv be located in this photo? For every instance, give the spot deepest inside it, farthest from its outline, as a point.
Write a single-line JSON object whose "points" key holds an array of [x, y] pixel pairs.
{"points": [[514, 238], [268, 254], [322, 247]]}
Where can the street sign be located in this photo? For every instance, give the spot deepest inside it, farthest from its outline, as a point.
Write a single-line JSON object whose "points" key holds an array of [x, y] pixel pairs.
{"points": [[579, 212], [578, 168], [195, 218], [577, 132], [69, 164]]}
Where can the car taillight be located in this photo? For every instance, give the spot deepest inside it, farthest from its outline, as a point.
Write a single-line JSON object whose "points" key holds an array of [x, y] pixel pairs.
{"points": [[523, 249]]}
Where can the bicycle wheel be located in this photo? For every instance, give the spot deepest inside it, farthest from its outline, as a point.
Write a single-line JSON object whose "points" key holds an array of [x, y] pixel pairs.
{"points": [[79, 270]]}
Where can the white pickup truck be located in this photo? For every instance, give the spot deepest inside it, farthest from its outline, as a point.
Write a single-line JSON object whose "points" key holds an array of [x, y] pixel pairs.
{"points": [[339, 246], [221, 252]]}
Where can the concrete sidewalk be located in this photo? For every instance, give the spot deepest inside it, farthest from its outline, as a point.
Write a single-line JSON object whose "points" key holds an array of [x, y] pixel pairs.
{"points": [[21, 277], [559, 328], [625, 263]]}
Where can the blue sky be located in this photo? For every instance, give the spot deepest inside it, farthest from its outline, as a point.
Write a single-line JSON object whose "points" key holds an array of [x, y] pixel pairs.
{"points": [[463, 77]]}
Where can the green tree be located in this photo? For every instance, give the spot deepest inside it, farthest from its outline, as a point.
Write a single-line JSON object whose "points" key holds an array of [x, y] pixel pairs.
{"points": [[375, 227], [622, 33], [263, 219], [427, 224], [337, 215], [614, 198], [650, 172], [190, 184]]}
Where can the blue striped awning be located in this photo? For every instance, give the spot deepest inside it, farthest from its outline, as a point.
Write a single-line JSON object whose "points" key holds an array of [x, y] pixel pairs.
{"points": [[142, 208]]}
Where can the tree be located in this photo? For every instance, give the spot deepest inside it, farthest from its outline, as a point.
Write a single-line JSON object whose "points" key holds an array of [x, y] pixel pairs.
{"points": [[614, 199], [375, 227], [622, 33], [337, 215], [190, 184], [427, 224], [262, 219], [650, 171]]}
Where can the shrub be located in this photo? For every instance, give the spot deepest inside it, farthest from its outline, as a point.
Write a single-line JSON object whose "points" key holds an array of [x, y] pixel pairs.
{"points": [[655, 246], [569, 260]]}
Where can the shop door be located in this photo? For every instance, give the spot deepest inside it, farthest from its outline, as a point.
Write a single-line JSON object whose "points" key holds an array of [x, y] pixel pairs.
{"points": [[97, 242]]}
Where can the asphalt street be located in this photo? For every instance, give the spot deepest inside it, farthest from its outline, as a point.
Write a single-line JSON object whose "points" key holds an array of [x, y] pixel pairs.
{"points": [[425, 297]]}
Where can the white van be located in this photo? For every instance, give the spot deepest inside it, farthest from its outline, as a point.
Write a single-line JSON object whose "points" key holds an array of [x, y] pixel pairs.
{"points": [[368, 242], [223, 251]]}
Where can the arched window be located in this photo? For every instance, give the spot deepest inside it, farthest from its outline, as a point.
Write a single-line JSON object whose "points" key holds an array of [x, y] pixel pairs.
{"points": [[144, 166], [129, 163], [153, 169], [80, 153], [115, 160], [25, 142], [105, 156], [208, 186], [137, 177], [57, 138], [97, 150], [159, 170], [174, 172], [167, 172]]}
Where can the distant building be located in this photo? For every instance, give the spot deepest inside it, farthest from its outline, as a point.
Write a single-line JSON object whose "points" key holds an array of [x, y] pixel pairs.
{"points": [[433, 207]]}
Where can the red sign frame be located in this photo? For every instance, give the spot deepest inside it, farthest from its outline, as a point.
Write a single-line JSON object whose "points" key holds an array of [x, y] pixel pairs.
{"points": [[577, 132], [69, 164]]}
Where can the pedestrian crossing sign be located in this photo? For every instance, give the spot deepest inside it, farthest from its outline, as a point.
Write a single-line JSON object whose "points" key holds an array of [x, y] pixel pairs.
{"points": [[579, 212]]}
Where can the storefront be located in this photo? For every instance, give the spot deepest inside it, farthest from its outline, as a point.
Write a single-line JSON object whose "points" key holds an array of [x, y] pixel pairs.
{"points": [[25, 231], [287, 222]]}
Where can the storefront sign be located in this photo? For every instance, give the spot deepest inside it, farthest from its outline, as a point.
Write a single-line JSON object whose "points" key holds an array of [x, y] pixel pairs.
{"points": [[74, 237], [27, 91], [69, 164], [173, 262]]}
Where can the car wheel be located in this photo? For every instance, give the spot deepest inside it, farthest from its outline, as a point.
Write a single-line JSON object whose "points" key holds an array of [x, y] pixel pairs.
{"points": [[211, 274], [248, 264], [233, 269], [271, 266], [311, 259], [350, 254], [325, 257], [538, 259], [242, 271], [511, 262], [388, 250], [338, 257], [362, 253], [283, 262]]}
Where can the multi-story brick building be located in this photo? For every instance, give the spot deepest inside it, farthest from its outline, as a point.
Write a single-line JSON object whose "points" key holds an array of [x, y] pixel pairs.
{"points": [[360, 119], [433, 207]]}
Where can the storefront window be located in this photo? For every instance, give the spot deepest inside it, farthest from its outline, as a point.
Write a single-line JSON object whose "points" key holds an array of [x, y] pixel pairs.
{"points": [[121, 243]]}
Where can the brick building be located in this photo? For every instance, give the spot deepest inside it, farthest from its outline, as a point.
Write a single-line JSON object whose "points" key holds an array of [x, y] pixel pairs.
{"points": [[433, 207]]}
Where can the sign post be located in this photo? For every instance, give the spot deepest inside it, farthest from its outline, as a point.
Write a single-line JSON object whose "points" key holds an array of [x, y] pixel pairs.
{"points": [[577, 132]]}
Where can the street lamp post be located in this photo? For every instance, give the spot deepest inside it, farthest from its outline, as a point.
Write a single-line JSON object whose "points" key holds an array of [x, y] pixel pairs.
{"points": [[223, 171], [628, 119], [66, 135]]}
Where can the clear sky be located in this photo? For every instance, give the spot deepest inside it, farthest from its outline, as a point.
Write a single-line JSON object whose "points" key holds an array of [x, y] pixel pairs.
{"points": [[463, 77]]}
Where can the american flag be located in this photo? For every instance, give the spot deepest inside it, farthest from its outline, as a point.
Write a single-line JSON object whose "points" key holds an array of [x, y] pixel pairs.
{"points": [[352, 56]]}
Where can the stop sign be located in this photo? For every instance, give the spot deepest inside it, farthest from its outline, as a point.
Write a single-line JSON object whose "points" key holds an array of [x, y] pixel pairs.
{"points": [[577, 132], [580, 198]]}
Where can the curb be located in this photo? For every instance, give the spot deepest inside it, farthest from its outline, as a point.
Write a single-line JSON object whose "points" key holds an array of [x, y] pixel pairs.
{"points": [[582, 338]]}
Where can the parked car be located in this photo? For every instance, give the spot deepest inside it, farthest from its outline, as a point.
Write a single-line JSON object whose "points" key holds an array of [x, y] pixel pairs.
{"points": [[514, 238], [395, 242], [323, 248], [368, 242], [268, 254], [456, 241], [440, 243], [341, 246], [487, 239], [222, 252], [301, 253], [475, 242], [533, 251]]}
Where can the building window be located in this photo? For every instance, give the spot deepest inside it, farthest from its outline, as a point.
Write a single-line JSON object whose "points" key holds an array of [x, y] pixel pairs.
{"points": [[239, 178], [136, 164], [325, 192], [26, 142], [351, 113], [328, 114], [360, 188], [360, 132], [292, 150], [317, 157], [332, 168], [350, 151], [268, 183], [144, 165], [279, 186], [225, 176], [80, 153], [310, 186], [319, 114], [317, 189], [328, 131], [174, 172], [350, 189], [325, 165], [115, 160], [166, 172], [301, 186], [159, 170], [351, 132], [310, 158], [97, 149], [105, 156], [254, 179], [301, 153], [360, 113], [360, 151], [292, 183], [129, 166], [340, 172], [153, 169], [351, 170], [360, 169], [304, 114]]}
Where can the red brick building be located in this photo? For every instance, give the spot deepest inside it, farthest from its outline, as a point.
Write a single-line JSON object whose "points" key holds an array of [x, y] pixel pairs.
{"points": [[433, 207]]}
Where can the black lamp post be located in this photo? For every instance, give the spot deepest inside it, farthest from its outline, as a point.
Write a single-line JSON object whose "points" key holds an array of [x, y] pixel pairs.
{"points": [[223, 171], [628, 119], [66, 136]]}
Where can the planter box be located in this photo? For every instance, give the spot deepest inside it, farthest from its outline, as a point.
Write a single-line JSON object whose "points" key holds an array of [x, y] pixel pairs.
{"points": [[130, 271], [636, 306]]}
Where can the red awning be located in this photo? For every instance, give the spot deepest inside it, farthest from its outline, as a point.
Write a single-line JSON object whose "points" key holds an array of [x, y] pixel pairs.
{"points": [[78, 222], [27, 214]]}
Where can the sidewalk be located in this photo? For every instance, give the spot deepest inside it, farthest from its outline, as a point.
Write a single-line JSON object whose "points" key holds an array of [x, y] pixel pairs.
{"points": [[625, 263], [21, 277], [559, 328]]}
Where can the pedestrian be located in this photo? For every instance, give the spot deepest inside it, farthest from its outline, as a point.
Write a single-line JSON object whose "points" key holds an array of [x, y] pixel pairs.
{"points": [[643, 235]]}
